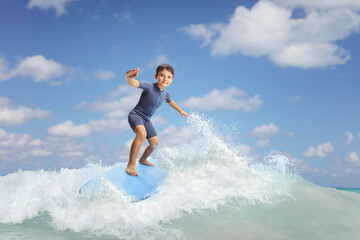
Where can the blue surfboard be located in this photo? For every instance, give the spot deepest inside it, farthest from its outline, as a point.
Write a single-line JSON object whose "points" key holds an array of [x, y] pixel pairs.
{"points": [[138, 187]]}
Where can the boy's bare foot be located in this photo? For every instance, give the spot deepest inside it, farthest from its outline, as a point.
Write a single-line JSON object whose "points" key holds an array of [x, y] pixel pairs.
{"points": [[131, 170], [146, 162]]}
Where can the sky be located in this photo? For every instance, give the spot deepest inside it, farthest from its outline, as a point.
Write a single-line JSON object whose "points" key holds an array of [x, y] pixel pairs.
{"points": [[279, 76]]}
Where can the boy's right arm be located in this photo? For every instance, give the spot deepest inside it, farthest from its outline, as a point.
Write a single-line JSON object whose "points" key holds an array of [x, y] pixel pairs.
{"points": [[130, 77]]}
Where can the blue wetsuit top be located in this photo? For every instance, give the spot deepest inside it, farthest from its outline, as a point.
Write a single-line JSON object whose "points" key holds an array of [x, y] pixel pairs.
{"points": [[151, 98]]}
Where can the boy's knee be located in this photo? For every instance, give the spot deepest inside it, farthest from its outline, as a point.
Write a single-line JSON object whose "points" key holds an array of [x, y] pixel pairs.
{"points": [[141, 135], [153, 146]]}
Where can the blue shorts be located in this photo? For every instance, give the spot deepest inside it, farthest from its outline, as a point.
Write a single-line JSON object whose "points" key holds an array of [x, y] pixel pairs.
{"points": [[134, 120]]}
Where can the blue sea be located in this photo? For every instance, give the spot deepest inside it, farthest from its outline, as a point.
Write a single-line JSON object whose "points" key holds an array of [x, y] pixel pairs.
{"points": [[212, 191]]}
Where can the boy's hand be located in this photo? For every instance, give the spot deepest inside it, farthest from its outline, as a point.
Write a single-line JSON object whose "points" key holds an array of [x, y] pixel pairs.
{"points": [[182, 113], [130, 77], [133, 73]]}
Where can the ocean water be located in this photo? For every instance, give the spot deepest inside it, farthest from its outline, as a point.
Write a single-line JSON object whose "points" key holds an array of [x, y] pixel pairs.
{"points": [[212, 191], [355, 190]]}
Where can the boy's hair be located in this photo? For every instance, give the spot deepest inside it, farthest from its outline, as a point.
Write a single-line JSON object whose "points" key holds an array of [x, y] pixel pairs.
{"points": [[164, 66]]}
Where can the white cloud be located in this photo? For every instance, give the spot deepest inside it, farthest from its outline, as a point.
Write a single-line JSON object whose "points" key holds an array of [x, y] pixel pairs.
{"points": [[263, 142], [320, 4], [5, 102], [265, 131], [124, 17], [293, 99], [8, 140], [290, 134], [320, 151], [311, 55], [350, 137], [173, 135], [113, 107], [9, 115], [40, 152], [160, 59], [37, 67], [353, 158], [105, 75], [21, 115], [268, 30], [67, 151], [158, 120], [58, 5], [3, 68], [303, 166], [245, 149], [109, 125], [22, 151], [73, 154], [68, 129], [122, 89], [203, 32], [17, 147], [103, 125], [230, 99]]}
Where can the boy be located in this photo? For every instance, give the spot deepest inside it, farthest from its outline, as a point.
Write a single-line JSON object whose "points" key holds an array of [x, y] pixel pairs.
{"points": [[151, 98]]}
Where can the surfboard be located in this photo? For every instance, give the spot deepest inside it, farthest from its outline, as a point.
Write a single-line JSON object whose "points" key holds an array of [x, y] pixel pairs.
{"points": [[138, 187]]}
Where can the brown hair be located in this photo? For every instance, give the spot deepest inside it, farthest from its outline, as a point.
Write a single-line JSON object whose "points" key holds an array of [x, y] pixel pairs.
{"points": [[164, 66]]}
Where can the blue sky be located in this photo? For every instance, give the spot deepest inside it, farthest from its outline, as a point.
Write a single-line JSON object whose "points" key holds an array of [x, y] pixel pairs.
{"points": [[284, 74]]}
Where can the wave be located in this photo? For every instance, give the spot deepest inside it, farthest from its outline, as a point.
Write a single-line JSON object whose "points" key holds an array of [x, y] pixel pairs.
{"points": [[212, 191]]}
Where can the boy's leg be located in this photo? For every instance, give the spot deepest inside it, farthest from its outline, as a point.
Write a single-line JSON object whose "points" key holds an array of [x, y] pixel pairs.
{"points": [[153, 143], [140, 132]]}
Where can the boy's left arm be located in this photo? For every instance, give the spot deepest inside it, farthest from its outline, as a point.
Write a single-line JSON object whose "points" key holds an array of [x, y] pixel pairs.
{"points": [[177, 108]]}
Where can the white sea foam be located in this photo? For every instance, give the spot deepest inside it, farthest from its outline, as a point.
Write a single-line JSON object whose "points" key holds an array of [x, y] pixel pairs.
{"points": [[205, 176]]}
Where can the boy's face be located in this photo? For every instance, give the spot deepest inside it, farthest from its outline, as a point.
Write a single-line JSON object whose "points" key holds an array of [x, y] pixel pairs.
{"points": [[164, 78]]}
